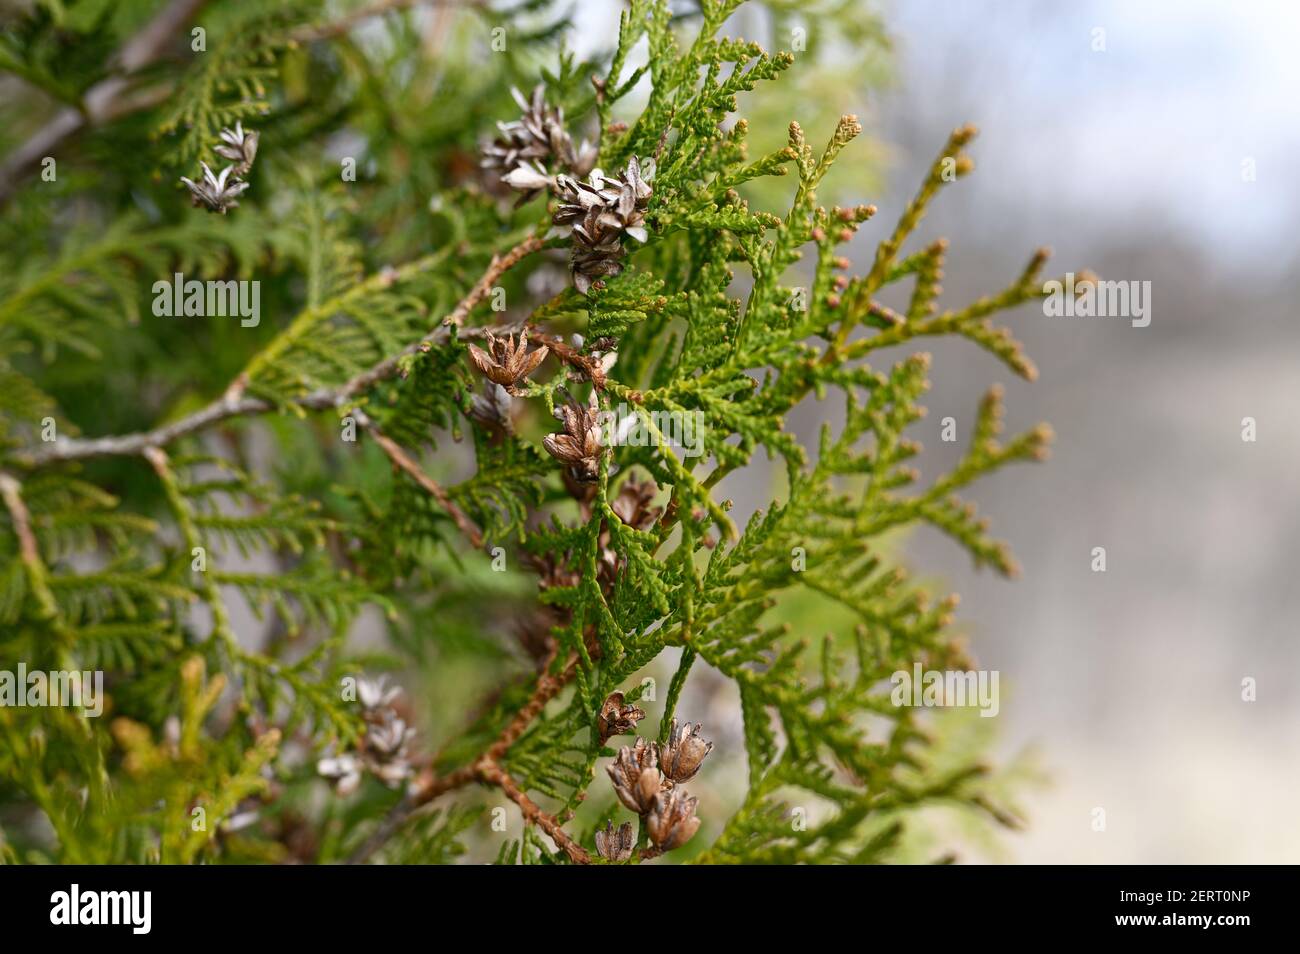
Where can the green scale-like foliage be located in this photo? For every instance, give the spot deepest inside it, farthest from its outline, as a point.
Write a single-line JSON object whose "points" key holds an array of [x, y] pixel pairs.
{"points": [[193, 560]]}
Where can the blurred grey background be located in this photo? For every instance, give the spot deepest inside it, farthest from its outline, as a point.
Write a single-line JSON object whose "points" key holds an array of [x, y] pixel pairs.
{"points": [[1134, 160], [1130, 160]]}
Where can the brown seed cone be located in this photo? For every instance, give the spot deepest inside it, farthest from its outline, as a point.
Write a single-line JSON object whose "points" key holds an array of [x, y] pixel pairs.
{"points": [[507, 362], [534, 142], [597, 214], [682, 755], [671, 821], [636, 777], [578, 445], [615, 845], [617, 717]]}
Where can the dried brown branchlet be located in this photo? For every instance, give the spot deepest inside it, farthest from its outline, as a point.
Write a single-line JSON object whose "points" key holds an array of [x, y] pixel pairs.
{"points": [[592, 365], [578, 445], [671, 821], [636, 777], [617, 717], [615, 844], [507, 361], [682, 755]]}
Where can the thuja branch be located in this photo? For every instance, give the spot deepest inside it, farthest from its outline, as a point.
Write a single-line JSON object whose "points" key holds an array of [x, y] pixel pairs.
{"points": [[498, 266], [114, 97], [947, 166], [38, 576], [615, 524], [234, 403], [28, 550], [11, 494], [161, 465], [969, 321], [108, 99]]}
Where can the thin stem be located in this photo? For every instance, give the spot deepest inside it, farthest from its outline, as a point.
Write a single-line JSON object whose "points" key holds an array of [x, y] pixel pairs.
{"points": [[548, 687], [161, 465], [11, 493], [490, 773], [38, 577], [405, 462], [498, 266]]}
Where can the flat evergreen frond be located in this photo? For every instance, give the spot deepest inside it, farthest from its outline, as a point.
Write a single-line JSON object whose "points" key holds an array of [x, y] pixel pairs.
{"points": [[506, 487], [514, 351], [229, 80], [347, 323], [96, 276], [312, 595], [25, 410], [426, 398], [304, 694], [434, 839], [230, 508], [127, 646]]}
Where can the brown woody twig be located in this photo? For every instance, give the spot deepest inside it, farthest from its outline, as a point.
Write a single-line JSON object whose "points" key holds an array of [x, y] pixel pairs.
{"points": [[490, 773], [404, 461], [11, 494]]}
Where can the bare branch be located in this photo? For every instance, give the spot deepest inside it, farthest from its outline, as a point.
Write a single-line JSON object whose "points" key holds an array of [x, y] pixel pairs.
{"points": [[492, 774], [29, 551], [499, 265], [11, 493]]}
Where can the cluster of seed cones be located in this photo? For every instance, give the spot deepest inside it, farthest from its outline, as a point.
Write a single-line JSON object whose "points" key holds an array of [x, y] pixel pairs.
{"points": [[646, 779], [384, 748], [535, 153], [597, 214], [533, 148]]}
